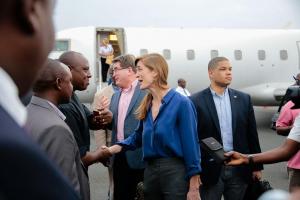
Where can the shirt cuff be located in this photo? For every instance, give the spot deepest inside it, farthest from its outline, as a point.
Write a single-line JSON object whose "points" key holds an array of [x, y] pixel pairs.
{"points": [[192, 170]]}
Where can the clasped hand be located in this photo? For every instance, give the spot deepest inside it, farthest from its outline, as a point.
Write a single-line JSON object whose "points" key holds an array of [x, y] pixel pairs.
{"points": [[104, 155]]}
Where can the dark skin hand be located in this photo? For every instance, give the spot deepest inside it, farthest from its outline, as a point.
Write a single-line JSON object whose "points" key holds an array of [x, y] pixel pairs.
{"points": [[105, 116], [99, 120], [104, 112], [282, 153], [101, 117], [100, 155]]}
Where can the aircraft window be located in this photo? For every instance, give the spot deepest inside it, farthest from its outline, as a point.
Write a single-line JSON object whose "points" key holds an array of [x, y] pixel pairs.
{"points": [[167, 54], [261, 54], [283, 55], [190, 54], [238, 54], [62, 45], [143, 52], [214, 53]]}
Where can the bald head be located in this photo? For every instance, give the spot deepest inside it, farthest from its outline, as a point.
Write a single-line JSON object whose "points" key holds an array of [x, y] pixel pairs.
{"points": [[72, 59], [80, 69], [47, 79]]}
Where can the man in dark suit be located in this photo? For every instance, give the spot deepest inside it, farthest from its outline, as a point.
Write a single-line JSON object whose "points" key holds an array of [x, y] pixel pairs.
{"points": [[128, 167], [228, 116], [26, 38], [46, 124], [78, 117]]}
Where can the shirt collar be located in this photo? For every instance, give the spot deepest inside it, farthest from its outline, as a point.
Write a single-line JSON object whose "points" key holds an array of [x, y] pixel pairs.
{"points": [[216, 94], [9, 99], [168, 96], [131, 87], [59, 113]]}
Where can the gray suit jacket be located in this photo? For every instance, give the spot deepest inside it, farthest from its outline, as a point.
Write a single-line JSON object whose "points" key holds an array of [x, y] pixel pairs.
{"points": [[55, 137], [134, 158]]}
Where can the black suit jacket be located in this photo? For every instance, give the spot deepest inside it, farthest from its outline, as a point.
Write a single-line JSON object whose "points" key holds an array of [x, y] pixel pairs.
{"points": [[25, 172], [245, 138], [77, 118]]}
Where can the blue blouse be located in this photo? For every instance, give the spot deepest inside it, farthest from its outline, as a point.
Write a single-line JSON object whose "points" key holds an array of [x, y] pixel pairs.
{"points": [[172, 134]]}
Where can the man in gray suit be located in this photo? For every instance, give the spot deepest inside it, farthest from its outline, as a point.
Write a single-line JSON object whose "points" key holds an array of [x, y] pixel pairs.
{"points": [[46, 124], [128, 168]]}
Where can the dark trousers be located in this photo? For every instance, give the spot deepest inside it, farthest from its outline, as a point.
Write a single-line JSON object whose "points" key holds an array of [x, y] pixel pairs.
{"points": [[164, 179], [230, 185], [104, 69], [125, 178]]}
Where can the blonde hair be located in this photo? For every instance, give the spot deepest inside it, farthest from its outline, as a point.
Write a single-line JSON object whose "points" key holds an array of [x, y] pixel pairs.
{"points": [[105, 41], [154, 62]]}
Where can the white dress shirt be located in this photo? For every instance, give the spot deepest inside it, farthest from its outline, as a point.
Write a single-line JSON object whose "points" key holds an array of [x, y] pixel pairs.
{"points": [[9, 99], [183, 91], [295, 131], [105, 50]]}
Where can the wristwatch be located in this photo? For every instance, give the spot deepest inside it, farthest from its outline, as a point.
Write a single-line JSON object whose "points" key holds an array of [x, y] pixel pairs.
{"points": [[250, 160]]}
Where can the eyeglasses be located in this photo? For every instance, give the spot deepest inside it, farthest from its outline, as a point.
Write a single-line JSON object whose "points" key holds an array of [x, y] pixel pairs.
{"points": [[115, 69]]}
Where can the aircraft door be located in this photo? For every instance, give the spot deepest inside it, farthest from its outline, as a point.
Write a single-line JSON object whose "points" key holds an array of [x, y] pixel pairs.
{"points": [[298, 48], [116, 39]]}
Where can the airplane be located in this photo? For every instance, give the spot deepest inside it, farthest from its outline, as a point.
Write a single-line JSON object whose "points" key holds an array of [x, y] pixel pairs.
{"points": [[263, 61]]}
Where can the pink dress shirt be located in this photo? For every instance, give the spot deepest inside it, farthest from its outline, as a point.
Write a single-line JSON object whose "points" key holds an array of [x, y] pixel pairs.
{"points": [[125, 99]]}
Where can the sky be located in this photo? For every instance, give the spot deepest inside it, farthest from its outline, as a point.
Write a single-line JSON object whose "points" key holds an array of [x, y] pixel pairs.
{"points": [[261, 14]]}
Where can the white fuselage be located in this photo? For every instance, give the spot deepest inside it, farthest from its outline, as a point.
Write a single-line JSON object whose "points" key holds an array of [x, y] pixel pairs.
{"points": [[263, 79]]}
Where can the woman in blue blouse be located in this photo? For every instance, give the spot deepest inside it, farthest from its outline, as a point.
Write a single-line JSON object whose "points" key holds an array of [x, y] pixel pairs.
{"points": [[167, 133]]}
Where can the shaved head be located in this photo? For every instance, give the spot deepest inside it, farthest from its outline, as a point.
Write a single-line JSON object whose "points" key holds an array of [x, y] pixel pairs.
{"points": [[49, 75], [79, 67], [71, 58]]}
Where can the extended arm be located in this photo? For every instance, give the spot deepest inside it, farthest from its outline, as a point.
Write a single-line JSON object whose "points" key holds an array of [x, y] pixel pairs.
{"points": [[279, 154]]}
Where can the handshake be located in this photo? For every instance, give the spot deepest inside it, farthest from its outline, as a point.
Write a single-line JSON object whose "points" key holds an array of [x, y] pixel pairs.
{"points": [[103, 155]]}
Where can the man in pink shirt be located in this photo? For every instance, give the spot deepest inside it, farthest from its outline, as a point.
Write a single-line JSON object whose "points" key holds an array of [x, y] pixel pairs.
{"points": [[284, 124], [128, 167]]}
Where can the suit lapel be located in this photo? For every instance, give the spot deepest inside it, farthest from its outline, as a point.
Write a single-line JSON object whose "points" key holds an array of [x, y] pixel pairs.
{"points": [[116, 106], [134, 98], [233, 103], [212, 109], [80, 108]]}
